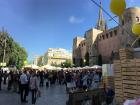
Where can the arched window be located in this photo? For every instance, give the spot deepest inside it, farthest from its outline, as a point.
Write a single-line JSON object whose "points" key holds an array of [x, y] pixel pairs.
{"points": [[103, 37], [111, 34], [100, 38], [107, 36], [115, 32], [123, 22], [138, 43], [95, 45], [137, 19]]}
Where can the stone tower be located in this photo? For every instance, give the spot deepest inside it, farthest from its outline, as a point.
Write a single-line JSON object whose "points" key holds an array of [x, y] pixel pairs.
{"points": [[126, 21], [101, 24]]}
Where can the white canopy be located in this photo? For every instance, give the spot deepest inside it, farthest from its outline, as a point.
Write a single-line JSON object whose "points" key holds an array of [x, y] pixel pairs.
{"points": [[78, 68], [32, 66], [96, 67], [86, 67], [58, 68], [48, 67]]}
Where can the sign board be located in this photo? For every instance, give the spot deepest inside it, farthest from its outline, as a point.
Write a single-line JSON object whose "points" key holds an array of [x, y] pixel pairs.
{"points": [[107, 70], [104, 69], [3, 64]]}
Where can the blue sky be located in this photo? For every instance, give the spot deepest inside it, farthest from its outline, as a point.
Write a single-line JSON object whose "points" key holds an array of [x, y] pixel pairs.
{"points": [[40, 24]]}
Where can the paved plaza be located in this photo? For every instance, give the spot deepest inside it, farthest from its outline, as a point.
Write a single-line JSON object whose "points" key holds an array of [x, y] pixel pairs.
{"points": [[55, 95]]}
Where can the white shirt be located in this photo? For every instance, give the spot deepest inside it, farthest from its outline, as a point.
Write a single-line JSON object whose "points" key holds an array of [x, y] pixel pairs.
{"points": [[23, 79]]}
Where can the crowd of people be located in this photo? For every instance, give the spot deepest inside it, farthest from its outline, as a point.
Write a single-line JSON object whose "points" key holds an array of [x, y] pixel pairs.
{"points": [[31, 80], [83, 79], [21, 82]]}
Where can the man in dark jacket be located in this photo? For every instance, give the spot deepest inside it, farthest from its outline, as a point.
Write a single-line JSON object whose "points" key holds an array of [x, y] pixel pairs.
{"points": [[109, 95], [0, 78]]}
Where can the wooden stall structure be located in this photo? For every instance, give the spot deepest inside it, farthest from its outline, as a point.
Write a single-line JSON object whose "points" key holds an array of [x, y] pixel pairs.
{"points": [[108, 75], [127, 76], [94, 97], [108, 81]]}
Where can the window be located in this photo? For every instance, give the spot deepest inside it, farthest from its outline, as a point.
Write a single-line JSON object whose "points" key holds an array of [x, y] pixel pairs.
{"points": [[90, 53], [137, 19], [95, 45], [99, 38], [138, 43], [107, 36], [111, 34], [89, 46], [103, 37], [122, 22], [115, 32]]}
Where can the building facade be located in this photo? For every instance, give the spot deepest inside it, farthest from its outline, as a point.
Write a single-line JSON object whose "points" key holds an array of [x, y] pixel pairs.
{"points": [[103, 44], [79, 50], [56, 56]]}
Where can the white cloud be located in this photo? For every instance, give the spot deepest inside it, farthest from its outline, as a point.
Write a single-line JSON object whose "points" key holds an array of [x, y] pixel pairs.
{"points": [[76, 20]]}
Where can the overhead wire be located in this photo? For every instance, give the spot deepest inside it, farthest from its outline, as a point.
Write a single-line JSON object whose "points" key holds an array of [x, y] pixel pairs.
{"points": [[112, 18]]}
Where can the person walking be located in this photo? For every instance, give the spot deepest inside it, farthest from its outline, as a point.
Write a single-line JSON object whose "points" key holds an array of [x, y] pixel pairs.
{"points": [[68, 81], [96, 80], [15, 82], [5, 77], [23, 82], [41, 75], [0, 79], [84, 79], [10, 81], [34, 87], [109, 95]]}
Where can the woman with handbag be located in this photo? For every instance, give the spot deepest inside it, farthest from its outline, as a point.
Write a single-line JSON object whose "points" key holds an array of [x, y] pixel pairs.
{"points": [[34, 87]]}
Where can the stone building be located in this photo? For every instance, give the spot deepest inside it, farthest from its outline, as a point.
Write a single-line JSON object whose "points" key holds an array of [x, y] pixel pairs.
{"points": [[56, 56], [102, 43], [39, 60], [79, 50]]}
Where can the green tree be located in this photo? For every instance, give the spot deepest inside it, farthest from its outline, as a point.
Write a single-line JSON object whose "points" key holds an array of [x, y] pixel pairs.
{"points": [[15, 54], [56, 65], [67, 63], [5, 43], [81, 62], [87, 59]]}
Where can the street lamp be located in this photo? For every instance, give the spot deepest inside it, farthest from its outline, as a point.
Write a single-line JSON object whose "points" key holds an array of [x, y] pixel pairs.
{"points": [[84, 62]]}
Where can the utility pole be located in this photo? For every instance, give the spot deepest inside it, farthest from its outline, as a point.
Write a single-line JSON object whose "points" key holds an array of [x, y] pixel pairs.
{"points": [[4, 50], [4, 45]]}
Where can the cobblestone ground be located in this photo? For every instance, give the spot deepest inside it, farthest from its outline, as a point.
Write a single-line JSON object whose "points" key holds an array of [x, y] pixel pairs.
{"points": [[54, 95]]}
